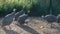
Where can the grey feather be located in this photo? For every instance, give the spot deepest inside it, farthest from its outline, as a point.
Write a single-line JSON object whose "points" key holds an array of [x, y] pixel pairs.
{"points": [[58, 18], [18, 14], [22, 18], [7, 20], [50, 18]]}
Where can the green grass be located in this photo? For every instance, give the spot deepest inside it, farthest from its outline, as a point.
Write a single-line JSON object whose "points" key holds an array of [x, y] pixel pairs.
{"points": [[36, 7]]}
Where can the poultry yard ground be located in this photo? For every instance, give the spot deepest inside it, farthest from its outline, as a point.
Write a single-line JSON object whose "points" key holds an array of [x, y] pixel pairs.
{"points": [[35, 26]]}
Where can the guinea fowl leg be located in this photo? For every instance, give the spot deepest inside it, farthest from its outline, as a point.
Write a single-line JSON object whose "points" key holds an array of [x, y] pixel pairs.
{"points": [[51, 25]]}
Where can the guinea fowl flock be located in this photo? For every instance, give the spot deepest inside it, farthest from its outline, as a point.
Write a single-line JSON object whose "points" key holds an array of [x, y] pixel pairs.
{"points": [[19, 16]]}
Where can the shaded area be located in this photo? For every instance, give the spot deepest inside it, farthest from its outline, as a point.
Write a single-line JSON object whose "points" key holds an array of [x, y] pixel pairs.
{"points": [[28, 29], [56, 27], [10, 32]]}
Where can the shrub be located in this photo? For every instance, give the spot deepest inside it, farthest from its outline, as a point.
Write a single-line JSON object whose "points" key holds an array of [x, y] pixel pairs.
{"points": [[36, 7]]}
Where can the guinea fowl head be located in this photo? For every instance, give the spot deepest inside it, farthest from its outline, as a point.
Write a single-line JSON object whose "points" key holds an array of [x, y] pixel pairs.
{"points": [[14, 10]]}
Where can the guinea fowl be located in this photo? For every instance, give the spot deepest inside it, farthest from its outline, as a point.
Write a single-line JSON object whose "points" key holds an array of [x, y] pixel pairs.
{"points": [[50, 18], [19, 13], [22, 18], [58, 18], [8, 19]]}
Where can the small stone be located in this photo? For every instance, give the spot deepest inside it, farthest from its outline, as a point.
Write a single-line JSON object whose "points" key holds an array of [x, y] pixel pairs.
{"points": [[41, 27]]}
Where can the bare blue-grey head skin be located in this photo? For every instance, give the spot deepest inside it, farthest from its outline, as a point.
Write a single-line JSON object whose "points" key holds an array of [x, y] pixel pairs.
{"points": [[58, 19], [8, 19], [14, 10], [42, 17]]}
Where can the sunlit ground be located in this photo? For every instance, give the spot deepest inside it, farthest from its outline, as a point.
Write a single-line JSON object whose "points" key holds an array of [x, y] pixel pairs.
{"points": [[35, 26]]}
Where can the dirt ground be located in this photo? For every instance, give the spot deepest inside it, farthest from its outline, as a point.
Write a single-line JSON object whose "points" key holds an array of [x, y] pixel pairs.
{"points": [[34, 26]]}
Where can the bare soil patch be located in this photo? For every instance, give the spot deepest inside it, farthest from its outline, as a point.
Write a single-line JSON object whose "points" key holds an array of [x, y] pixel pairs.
{"points": [[35, 26]]}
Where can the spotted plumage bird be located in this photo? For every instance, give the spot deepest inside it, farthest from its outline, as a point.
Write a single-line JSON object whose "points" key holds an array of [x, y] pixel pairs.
{"points": [[8, 19], [22, 18], [18, 14], [50, 19], [58, 18]]}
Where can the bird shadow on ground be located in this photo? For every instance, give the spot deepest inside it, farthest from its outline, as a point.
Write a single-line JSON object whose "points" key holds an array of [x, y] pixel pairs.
{"points": [[10, 32], [28, 29], [57, 27]]}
